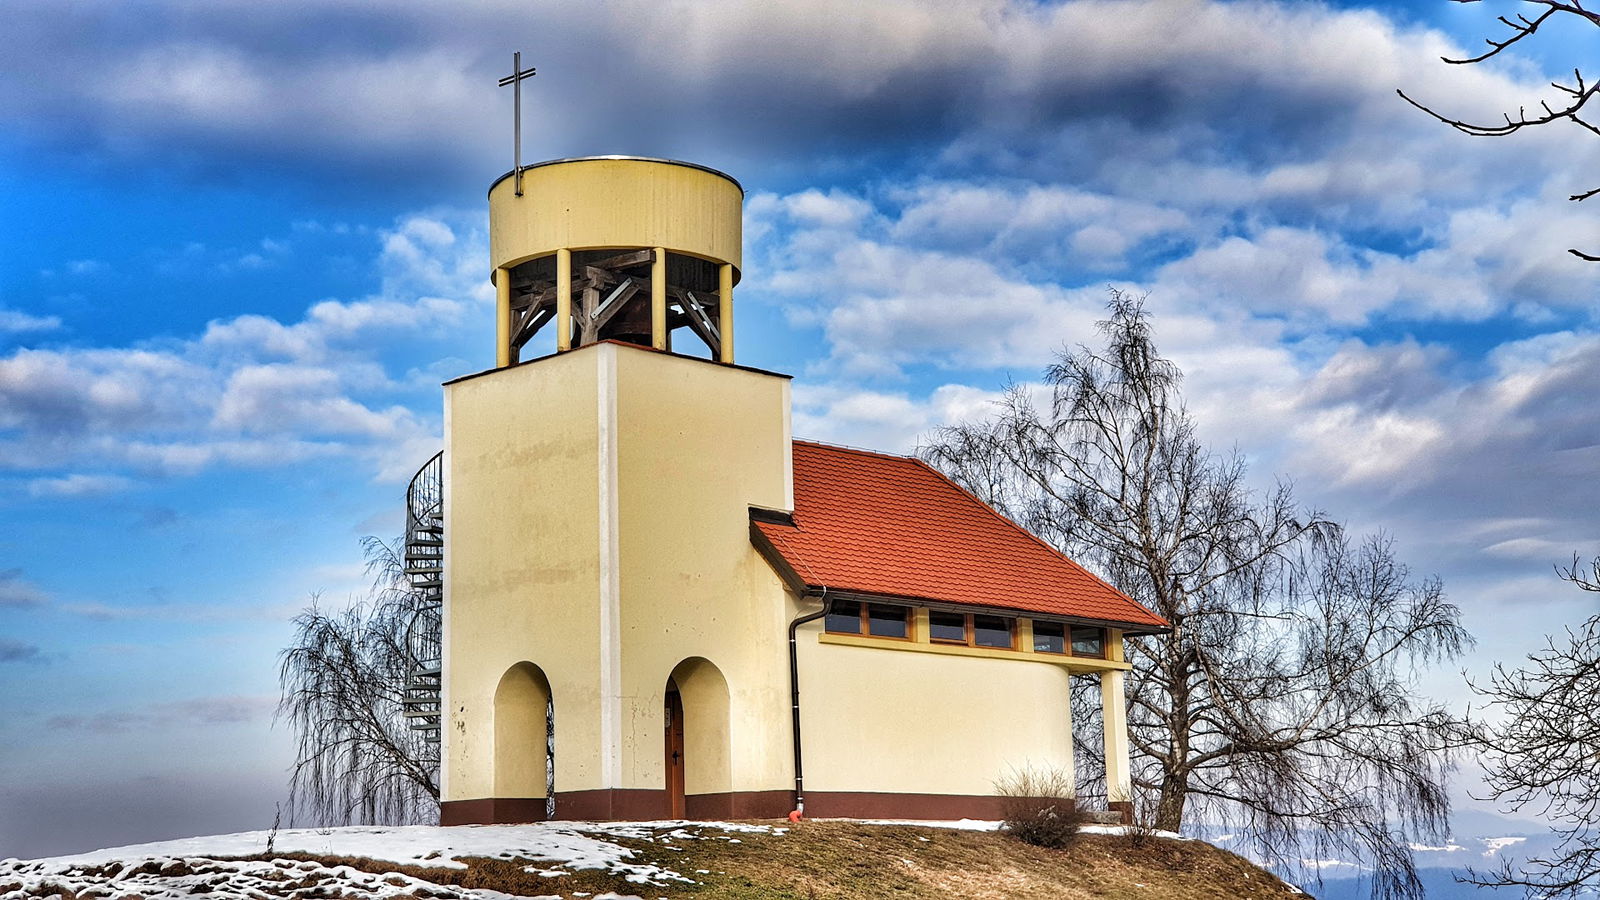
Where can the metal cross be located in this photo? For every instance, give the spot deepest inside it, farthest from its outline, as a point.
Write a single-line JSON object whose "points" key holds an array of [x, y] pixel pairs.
{"points": [[515, 80]]}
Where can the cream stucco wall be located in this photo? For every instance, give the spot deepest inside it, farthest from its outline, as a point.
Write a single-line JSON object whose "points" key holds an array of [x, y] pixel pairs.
{"points": [[598, 528], [701, 444], [616, 202], [522, 570], [889, 720]]}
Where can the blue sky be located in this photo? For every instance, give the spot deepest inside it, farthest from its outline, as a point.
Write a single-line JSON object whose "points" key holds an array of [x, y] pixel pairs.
{"points": [[245, 242]]}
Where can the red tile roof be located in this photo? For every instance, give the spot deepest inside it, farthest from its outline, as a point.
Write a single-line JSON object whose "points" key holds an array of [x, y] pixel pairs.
{"points": [[871, 523]]}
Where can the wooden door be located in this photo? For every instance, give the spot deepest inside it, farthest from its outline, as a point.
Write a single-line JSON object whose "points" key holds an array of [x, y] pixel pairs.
{"points": [[674, 717]]}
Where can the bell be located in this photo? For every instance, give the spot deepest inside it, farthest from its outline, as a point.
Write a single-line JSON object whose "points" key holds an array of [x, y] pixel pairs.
{"points": [[632, 324]]}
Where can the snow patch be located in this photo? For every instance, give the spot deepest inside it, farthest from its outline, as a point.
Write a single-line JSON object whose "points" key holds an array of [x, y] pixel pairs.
{"points": [[1322, 864], [1124, 830], [177, 870], [1491, 846], [960, 824]]}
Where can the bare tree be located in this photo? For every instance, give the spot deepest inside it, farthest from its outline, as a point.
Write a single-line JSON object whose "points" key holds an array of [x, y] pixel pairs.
{"points": [[343, 680], [1281, 704], [1543, 755], [1571, 98]]}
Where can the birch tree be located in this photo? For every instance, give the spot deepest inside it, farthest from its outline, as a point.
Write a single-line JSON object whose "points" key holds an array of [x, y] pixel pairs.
{"points": [[1568, 105], [1543, 755], [1281, 705], [343, 678]]}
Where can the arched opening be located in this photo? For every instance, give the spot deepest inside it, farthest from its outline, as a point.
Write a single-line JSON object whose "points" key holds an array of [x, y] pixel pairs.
{"points": [[524, 739], [695, 714]]}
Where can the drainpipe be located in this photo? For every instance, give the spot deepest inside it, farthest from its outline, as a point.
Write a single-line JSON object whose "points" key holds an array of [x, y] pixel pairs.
{"points": [[794, 697]]}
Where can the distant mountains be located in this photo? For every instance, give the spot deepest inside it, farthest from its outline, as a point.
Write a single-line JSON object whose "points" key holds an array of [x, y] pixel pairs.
{"points": [[1481, 841], [1440, 884]]}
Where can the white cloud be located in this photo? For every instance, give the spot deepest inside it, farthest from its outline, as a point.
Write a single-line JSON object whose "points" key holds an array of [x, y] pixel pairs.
{"points": [[285, 399], [1021, 87], [78, 484], [16, 322], [18, 593], [1051, 224], [891, 422], [250, 390]]}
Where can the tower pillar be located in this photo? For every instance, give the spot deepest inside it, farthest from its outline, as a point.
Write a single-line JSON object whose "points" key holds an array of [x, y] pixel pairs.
{"points": [[503, 355], [658, 298], [563, 299], [725, 313]]}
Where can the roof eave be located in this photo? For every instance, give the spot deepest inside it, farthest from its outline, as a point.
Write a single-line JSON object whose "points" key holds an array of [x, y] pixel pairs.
{"points": [[775, 558]]}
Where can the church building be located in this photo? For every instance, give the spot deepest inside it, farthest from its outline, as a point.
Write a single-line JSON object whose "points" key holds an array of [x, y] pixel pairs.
{"points": [[654, 602]]}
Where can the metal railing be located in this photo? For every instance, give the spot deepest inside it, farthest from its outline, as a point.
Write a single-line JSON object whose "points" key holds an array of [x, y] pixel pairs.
{"points": [[424, 570]]}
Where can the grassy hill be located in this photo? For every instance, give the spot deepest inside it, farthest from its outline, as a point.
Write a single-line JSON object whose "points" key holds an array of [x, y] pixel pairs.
{"points": [[712, 862]]}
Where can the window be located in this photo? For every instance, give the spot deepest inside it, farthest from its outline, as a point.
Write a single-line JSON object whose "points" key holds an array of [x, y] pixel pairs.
{"points": [[947, 627], [844, 617], [1088, 642], [1049, 637], [884, 620], [992, 631], [971, 630]]}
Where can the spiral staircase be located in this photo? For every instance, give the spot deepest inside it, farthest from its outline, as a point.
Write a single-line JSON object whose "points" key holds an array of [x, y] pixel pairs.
{"points": [[424, 571]]}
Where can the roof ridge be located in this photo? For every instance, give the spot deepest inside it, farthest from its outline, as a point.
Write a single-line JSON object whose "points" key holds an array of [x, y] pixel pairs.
{"points": [[848, 448], [1033, 537]]}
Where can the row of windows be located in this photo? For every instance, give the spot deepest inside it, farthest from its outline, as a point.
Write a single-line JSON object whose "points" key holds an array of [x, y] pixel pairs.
{"points": [[889, 620]]}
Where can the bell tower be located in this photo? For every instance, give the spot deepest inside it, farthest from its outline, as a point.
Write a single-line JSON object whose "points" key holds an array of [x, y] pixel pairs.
{"points": [[613, 644], [643, 251]]}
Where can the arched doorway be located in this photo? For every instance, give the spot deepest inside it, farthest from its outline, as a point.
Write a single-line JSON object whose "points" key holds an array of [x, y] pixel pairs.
{"points": [[524, 737], [696, 746]]}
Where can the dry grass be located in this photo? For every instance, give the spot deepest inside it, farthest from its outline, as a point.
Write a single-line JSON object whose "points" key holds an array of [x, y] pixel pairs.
{"points": [[848, 861]]}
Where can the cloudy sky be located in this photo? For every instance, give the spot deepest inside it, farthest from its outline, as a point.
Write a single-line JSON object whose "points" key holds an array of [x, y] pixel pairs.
{"points": [[244, 242]]}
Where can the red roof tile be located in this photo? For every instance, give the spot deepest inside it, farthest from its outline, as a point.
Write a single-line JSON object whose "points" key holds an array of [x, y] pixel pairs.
{"points": [[872, 523]]}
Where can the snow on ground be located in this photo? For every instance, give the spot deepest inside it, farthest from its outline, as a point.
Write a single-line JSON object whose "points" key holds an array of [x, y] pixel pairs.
{"points": [[577, 844], [215, 868], [983, 825], [177, 870]]}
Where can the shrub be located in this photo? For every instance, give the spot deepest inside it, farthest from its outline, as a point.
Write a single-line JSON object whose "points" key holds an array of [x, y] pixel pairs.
{"points": [[1139, 829], [1038, 806]]}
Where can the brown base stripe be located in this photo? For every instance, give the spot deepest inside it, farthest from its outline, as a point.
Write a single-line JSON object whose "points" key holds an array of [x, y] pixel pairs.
{"points": [[740, 805], [492, 811], [623, 804]]}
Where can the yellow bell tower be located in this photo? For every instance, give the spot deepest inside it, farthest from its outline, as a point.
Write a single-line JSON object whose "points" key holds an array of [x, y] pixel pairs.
{"points": [[615, 248], [613, 644]]}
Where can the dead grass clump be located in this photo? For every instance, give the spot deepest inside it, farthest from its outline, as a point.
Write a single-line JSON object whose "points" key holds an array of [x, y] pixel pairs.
{"points": [[1037, 807], [1140, 830]]}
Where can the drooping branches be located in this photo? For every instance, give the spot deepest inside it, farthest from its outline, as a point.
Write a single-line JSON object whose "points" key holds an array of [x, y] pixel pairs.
{"points": [[1543, 756], [1574, 97], [343, 681], [1281, 705]]}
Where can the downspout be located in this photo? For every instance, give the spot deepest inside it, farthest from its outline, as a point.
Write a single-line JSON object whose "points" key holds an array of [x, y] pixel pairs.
{"points": [[794, 697]]}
